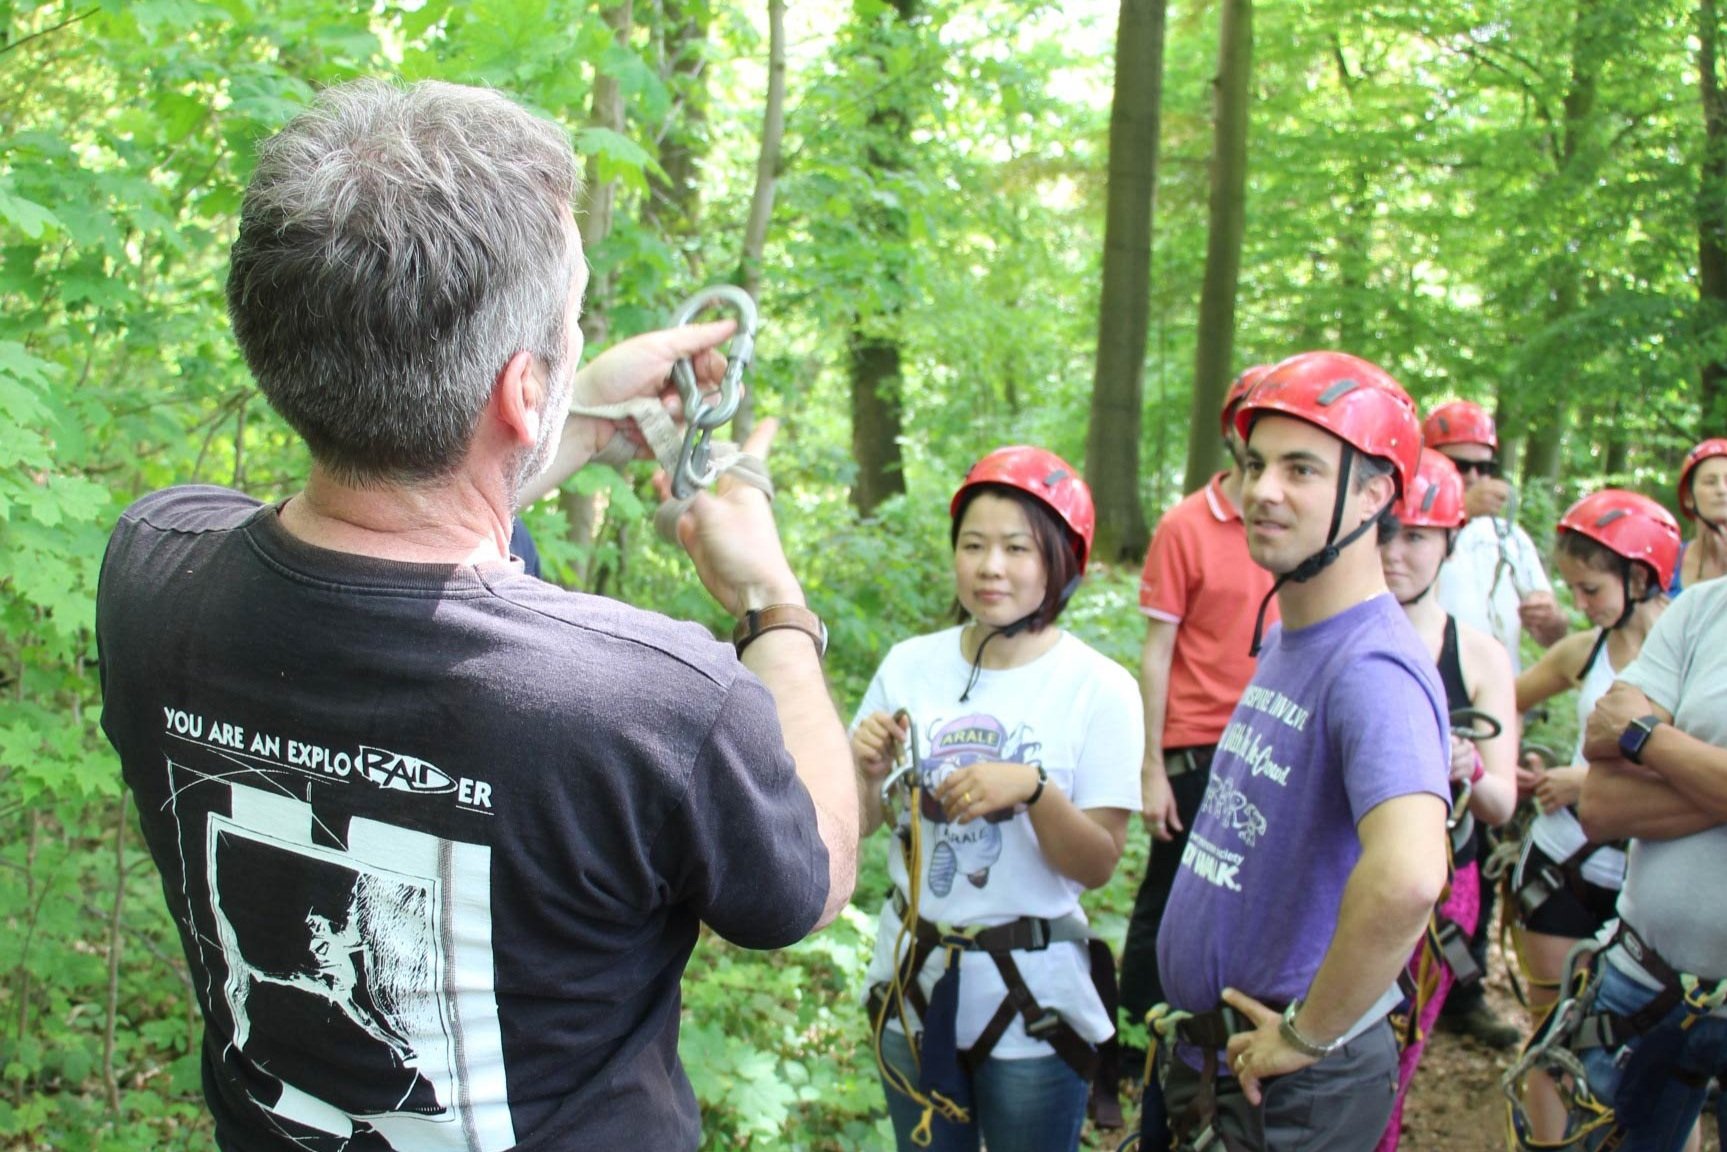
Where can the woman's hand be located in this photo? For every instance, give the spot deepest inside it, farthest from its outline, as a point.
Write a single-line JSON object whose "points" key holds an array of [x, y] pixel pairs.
{"points": [[979, 790], [1560, 787], [876, 742], [1463, 759]]}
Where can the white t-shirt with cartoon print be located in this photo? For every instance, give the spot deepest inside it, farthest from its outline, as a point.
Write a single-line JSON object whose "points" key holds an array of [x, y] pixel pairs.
{"points": [[1076, 713]]}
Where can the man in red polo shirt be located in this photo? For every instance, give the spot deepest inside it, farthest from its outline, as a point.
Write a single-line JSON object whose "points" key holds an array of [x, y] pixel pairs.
{"points": [[1197, 592]]}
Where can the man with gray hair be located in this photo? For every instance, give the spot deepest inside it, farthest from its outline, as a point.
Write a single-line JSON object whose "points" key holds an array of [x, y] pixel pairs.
{"points": [[439, 837]]}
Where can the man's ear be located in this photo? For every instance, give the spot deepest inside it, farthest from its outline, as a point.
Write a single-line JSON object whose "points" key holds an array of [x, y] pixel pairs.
{"points": [[1378, 493], [519, 398]]}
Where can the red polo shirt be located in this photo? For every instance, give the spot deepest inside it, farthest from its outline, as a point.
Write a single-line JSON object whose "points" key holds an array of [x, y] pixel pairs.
{"points": [[1199, 577]]}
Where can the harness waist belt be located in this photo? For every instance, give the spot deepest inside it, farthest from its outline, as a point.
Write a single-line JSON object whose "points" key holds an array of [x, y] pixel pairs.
{"points": [[1027, 934], [1212, 1030]]}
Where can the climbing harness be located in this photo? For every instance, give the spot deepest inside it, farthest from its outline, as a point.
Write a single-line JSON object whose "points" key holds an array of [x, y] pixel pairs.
{"points": [[695, 466], [943, 1071], [1577, 1025], [692, 460], [1195, 1107]]}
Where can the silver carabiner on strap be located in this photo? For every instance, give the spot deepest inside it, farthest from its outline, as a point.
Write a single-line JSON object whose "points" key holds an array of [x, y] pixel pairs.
{"points": [[907, 760], [694, 469]]}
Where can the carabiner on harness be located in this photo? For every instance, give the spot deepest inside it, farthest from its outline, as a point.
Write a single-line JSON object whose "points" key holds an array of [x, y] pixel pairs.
{"points": [[701, 417]]}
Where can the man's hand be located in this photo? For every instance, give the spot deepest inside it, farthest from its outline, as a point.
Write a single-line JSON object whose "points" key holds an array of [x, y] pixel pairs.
{"points": [[1486, 497], [1543, 619], [1262, 1053], [642, 366], [729, 532], [1157, 802], [1613, 713]]}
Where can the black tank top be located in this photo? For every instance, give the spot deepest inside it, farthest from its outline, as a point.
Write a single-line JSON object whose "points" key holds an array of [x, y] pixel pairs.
{"points": [[1457, 696], [1451, 669]]}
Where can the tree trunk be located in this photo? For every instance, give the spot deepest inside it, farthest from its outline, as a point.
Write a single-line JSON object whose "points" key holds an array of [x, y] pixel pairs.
{"points": [[1712, 212], [673, 204], [1544, 453], [749, 270], [872, 352], [1215, 343], [1117, 397], [599, 198]]}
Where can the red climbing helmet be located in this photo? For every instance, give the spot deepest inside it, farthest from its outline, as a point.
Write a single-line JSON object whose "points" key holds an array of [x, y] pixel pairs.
{"points": [[1238, 392], [1630, 525], [1710, 448], [1435, 500], [1354, 400], [1459, 422], [1044, 475]]}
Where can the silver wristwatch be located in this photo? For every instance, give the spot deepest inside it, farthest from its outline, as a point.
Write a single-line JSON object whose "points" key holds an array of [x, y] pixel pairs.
{"points": [[1293, 1037]]}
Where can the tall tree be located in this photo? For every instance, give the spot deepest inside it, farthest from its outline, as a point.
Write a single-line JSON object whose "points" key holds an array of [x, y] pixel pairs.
{"points": [[874, 360], [1214, 351], [1574, 159], [749, 270], [1112, 439], [599, 199], [673, 202], [1712, 216]]}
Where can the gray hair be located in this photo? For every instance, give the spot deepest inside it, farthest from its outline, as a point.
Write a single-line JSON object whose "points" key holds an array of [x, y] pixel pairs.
{"points": [[397, 246]]}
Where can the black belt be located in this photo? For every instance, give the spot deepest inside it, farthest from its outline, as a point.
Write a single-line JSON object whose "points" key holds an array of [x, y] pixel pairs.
{"points": [[1181, 761]]}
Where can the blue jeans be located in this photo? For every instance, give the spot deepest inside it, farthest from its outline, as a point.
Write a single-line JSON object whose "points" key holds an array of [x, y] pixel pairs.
{"points": [[1656, 1083], [1035, 1105]]}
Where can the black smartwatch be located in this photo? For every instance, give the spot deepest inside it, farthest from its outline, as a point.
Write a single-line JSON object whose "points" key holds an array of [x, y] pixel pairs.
{"points": [[1636, 736]]}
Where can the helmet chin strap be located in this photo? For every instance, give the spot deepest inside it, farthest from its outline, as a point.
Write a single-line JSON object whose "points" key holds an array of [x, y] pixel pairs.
{"points": [[1014, 629], [1625, 614], [1325, 557]]}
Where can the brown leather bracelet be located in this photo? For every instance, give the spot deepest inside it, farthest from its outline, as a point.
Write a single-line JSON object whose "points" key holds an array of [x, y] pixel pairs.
{"points": [[759, 620]]}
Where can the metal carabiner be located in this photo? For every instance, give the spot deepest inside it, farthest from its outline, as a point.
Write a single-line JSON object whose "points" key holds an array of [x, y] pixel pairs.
{"points": [[907, 761], [1475, 724], [694, 468]]}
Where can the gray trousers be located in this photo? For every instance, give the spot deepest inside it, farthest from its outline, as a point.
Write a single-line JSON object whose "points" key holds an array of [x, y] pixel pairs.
{"points": [[1340, 1104]]}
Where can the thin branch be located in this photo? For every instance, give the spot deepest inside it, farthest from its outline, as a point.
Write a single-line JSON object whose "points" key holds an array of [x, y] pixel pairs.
{"points": [[66, 23]]}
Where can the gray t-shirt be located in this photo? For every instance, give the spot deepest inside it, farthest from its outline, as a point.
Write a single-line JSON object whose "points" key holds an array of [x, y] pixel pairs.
{"points": [[438, 838], [1673, 895]]}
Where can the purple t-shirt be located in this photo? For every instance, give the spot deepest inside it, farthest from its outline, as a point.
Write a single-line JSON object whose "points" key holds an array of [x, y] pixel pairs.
{"points": [[1341, 716]]}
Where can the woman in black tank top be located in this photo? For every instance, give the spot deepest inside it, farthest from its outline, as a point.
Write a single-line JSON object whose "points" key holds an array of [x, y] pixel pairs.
{"points": [[1476, 673]]}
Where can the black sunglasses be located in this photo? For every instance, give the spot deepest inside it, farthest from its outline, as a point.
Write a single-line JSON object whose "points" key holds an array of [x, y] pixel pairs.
{"points": [[1485, 467]]}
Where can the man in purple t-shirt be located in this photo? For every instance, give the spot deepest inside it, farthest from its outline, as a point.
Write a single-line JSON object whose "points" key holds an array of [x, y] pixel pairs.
{"points": [[1319, 850]]}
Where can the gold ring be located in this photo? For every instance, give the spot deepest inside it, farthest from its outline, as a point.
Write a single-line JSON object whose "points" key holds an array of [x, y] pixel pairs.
{"points": [[966, 796]]}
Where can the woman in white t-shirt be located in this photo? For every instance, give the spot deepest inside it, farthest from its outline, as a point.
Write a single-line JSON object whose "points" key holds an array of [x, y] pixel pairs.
{"points": [[1028, 744], [1617, 551]]}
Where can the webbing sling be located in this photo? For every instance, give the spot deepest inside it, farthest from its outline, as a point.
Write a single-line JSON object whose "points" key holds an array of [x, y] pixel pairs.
{"points": [[1099, 1066]]}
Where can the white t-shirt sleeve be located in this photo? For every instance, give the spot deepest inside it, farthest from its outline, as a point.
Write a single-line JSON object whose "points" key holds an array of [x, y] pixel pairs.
{"points": [[1107, 775]]}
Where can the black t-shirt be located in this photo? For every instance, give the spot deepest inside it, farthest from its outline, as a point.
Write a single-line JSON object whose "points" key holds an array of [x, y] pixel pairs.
{"points": [[438, 838]]}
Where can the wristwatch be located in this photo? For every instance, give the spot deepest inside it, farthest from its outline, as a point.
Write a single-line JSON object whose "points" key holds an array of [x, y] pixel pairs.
{"points": [[760, 620], [1293, 1037], [1635, 736]]}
